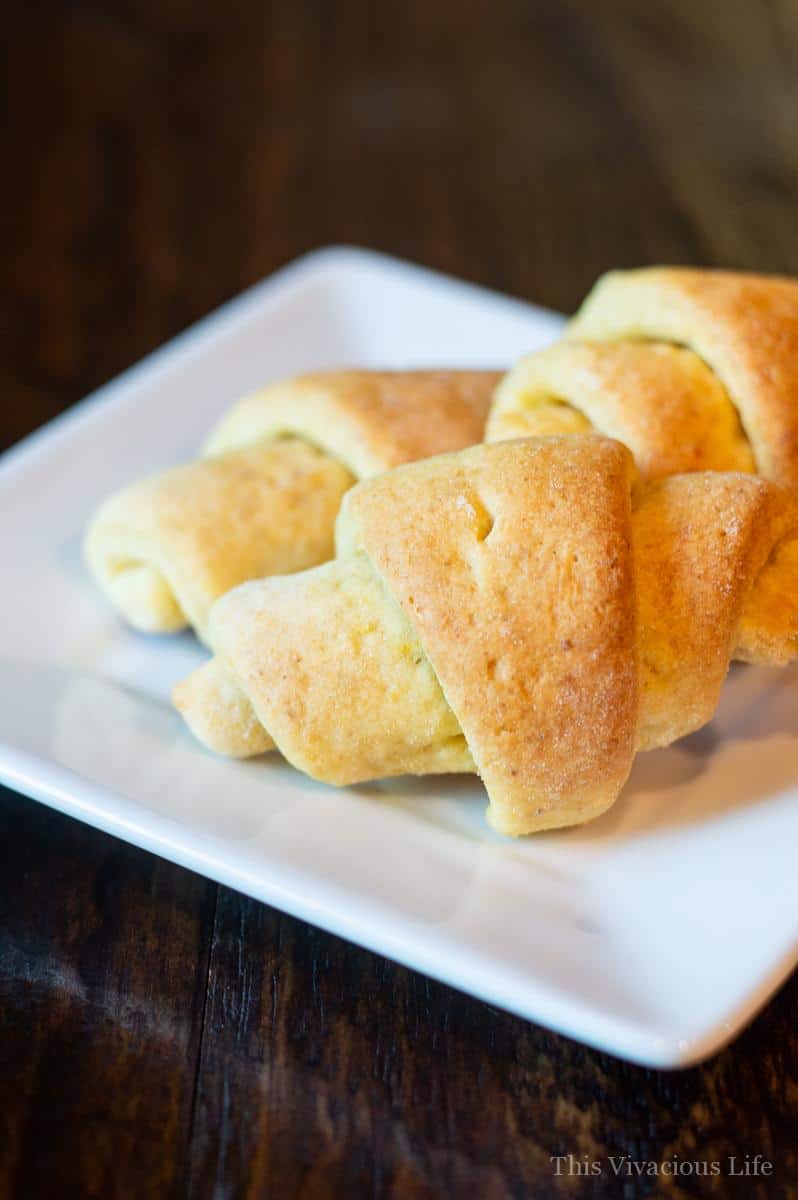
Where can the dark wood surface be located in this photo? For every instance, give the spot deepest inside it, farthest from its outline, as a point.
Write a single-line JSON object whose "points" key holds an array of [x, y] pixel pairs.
{"points": [[161, 1036]]}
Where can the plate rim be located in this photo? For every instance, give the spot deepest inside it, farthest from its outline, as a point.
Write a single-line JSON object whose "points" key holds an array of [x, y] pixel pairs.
{"points": [[64, 790]]}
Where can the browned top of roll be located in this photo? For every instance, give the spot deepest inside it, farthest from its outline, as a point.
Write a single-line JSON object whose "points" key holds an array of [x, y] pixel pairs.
{"points": [[514, 564], [369, 420], [744, 326]]}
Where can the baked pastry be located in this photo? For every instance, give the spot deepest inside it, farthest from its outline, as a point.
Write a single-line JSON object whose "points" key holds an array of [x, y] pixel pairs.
{"points": [[691, 369], [264, 496], [523, 610]]}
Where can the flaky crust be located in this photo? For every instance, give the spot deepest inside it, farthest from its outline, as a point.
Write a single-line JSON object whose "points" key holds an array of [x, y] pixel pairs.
{"points": [[523, 609], [264, 498]]}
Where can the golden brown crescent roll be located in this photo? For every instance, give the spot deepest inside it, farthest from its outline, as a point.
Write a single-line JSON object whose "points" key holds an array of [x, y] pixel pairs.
{"points": [[263, 498], [691, 369], [519, 610]]}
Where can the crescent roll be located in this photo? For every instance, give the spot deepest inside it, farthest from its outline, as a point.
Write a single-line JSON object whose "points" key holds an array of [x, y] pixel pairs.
{"points": [[524, 610], [691, 369], [264, 496]]}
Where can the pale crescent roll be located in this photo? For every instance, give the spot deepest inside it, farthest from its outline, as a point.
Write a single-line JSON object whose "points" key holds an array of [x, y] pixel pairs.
{"points": [[264, 496], [691, 369], [518, 609]]}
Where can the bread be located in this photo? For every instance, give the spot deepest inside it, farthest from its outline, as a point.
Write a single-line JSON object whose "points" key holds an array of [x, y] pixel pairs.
{"points": [[523, 609], [264, 496], [691, 369]]}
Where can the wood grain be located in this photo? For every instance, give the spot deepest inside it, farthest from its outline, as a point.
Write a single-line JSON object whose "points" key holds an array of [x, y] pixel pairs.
{"points": [[162, 1037], [359, 1077], [103, 970]]}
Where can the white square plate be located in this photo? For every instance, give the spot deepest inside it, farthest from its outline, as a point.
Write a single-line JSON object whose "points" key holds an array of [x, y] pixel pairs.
{"points": [[655, 933]]}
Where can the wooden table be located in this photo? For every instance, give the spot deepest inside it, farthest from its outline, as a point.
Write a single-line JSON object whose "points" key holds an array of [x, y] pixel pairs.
{"points": [[163, 1036]]}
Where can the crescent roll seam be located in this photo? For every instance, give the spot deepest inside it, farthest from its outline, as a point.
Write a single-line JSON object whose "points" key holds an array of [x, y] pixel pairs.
{"points": [[527, 596], [263, 497], [629, 360]]}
